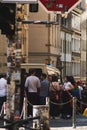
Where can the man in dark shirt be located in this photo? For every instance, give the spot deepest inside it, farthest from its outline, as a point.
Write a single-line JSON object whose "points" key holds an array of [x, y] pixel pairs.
{"points": [[44, 89]]}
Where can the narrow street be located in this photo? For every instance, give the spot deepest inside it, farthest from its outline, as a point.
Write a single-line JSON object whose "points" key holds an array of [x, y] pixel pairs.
{"points": [[67, 124]]}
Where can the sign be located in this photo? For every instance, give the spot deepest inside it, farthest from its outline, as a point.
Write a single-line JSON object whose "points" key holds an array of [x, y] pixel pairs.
{"points": [[59, 5], [18, 1]]}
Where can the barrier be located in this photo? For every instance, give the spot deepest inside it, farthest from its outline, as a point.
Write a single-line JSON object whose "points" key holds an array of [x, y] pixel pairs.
{"points": [[24, 109], [42, 109], [74, 113], [2, 109], [74, 106]]}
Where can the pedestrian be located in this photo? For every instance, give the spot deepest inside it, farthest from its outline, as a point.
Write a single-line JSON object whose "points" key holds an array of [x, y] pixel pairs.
{"points": [[66, 97], [80, 87], [3, 90], [44, 89], [54, 91], [75, 90], [32, 84], [24, 75]]}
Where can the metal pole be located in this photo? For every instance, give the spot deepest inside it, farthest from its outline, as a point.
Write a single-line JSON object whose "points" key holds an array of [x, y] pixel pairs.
{"points": [[65, 56], [74, 113], [86, 51]]}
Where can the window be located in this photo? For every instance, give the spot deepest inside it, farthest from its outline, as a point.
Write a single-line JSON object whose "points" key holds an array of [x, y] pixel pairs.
{"points": [[75, 22], [76, 69]]}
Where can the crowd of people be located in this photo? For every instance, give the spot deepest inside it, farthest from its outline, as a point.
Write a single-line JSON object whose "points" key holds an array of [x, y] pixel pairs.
{"points": [[38, 88]]}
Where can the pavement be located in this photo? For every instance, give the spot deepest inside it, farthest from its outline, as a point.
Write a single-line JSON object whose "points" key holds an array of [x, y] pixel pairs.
{"points": [[68, 124]]}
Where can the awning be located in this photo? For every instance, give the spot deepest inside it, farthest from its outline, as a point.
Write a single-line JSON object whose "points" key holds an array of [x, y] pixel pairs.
{"points": [[52, 70]]}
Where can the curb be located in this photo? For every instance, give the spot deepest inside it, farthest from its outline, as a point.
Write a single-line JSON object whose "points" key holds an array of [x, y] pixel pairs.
{"points": [[69, 128]]}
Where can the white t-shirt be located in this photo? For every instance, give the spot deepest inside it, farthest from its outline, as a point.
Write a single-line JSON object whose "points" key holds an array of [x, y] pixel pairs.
{"points": [[67, 85], [32, 82], [3, 87]]}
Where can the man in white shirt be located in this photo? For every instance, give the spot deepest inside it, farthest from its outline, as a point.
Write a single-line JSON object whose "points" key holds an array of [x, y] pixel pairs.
{"points": [[3, 90], [32, 84]]}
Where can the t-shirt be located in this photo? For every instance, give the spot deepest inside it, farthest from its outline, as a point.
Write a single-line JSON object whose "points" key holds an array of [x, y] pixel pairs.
{"points": [[44, 89], [67, 85], [3, 87], [32, 82]]}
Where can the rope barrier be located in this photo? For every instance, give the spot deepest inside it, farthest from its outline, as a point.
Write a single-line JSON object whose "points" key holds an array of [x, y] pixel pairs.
{"points": [[53, 102], [82, 102], [2, 109], [61, 103], [29, 103]]}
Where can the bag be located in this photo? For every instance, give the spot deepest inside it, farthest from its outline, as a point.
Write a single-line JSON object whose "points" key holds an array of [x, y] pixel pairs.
{"points": [[57, 97], [54, 95], [85, 112]]}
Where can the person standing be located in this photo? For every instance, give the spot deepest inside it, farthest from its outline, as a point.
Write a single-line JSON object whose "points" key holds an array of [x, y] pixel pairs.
{"points": [[44, 89], [32, 84], [3, 90], [54, 92], [66, 97], [80, 87]]}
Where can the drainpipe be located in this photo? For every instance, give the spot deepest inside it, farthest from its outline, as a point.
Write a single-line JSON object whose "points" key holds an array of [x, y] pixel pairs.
{"points": [[49, 40], [86, 51]]}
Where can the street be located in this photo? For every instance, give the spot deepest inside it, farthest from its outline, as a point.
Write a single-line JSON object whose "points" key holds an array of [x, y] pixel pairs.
{"points": [[66, 124]]}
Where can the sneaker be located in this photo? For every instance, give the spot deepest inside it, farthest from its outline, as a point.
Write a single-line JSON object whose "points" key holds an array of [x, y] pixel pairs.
{"points": [[57, 117], [68, 116]]}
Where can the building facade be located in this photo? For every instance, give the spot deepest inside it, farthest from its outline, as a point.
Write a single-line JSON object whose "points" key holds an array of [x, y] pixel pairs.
{"points": [[3, 53], [60, 44], [44, 39], [71, 43]]}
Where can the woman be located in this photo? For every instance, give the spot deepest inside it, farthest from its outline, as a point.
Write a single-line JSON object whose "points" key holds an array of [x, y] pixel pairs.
{"points": [[54, 91], [66, 97]]}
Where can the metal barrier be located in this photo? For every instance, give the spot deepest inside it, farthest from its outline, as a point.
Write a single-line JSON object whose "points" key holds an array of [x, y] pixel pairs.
{"points": [[23, 114]]}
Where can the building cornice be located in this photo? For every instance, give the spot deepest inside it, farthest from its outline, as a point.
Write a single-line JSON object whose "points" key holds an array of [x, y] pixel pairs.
{"points": [[65, 29], [78, 10], [42, 54]]}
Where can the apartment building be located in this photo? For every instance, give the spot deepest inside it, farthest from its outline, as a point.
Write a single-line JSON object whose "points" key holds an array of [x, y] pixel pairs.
{"points": [[44, 39], [71, 43], [3, 53], [59, 45]]}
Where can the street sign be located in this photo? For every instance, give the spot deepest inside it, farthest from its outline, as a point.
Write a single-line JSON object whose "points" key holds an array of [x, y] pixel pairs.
{"points": [[59, 5], [18, 1]]}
